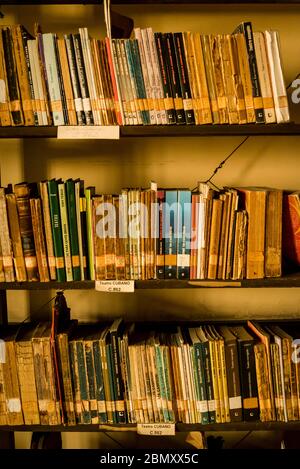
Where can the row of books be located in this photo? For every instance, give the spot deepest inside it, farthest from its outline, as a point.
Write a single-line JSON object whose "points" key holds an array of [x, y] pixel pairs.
{"points": [[62, 231], [133, 373], [153, 78]]}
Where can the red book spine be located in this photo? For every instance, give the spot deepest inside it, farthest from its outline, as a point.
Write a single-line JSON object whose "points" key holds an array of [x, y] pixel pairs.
{"points": [[291, 229]]}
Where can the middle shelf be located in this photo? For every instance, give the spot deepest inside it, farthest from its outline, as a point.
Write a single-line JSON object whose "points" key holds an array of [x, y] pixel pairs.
{"points": [[287, 281]]}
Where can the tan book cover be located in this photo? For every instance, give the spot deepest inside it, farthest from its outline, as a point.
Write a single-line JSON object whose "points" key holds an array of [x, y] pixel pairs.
{"points": [[240, 41], [26, 375]]}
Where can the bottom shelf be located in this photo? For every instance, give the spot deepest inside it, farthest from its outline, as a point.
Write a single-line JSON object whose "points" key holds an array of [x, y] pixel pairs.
{"points": [[180, 427]]}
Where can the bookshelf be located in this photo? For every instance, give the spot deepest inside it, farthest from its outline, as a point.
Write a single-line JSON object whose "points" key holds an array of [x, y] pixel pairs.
{"points": [[216, 130], [288, 281]]}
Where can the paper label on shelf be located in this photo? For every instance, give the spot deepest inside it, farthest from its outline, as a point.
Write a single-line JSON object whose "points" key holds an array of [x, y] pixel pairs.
{"points": [[98, 132], [156, 429], [115, 286], [2, 351]]}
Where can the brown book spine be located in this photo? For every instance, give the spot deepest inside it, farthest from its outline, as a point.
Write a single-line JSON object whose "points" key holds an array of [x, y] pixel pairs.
{"points": [[22, 192], [22, 71], [120, 247], [11, 386], [99, 237], [39, 240], [48, 229], [220, 86], [15, 235], [263, 384], [6, 248], [3, 407], [214, 243], [66, 79], [27, 384], [68, 402], [237, 80], [245, 75], [273, 248]]}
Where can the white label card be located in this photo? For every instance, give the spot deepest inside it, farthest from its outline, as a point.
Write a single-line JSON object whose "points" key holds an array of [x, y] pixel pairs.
{"points": [[115, 286], [98, 132], [156, 429]]}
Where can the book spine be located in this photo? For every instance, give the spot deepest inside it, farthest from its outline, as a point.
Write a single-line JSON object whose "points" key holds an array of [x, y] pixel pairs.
{"points": [[106, 382], [116, 367], [65, 230], [168, 98], [246, 29], [100, 393], [209, 382], [233, 380], [83, 383], [11, 386], [140, 83], [184, 234], [22, 74], [160, 249], [170, 221], [66, 378], [74, 79], [75, 381], [61, 82], [115, 85], [56, 230], [14, 229], [174, 77], [5, 115], [25, 365], [214, 238], [86, 102], [5, 241], [72, 221], [200, 372], [211, 83], [248, 382], [184, 79], [30, 72], [119, 240], [39, 240], [89, 229], [22, 193], [12, 80], [83, 221], [112, 383], [91, 379], [53, 79]]}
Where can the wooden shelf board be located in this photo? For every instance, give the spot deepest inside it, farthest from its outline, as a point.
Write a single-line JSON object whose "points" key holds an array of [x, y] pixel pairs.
{"points": [[288, 281], [167, 130], [180, 427], [149, 2]]}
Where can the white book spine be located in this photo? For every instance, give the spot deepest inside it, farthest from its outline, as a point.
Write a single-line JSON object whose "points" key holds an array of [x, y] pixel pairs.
{"points": [[278, 86], [53, 79], [156, 73], [264, 77]]}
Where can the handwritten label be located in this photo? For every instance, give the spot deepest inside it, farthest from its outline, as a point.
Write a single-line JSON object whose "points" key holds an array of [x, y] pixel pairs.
{"points": [[98, 132], [115, 286], [156, 429]]}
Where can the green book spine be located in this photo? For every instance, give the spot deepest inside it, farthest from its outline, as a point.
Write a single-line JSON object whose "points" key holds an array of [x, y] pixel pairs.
{"points": [[65, 230], [209, 383], [56, 231], [83, 382], [72, 218], [89, 193], [161, 381], [111, 381], [100, 392]]}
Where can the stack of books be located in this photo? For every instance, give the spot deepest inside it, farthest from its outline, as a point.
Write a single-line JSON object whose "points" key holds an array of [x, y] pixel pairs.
{"points": [[120, 373], [61, 230], [154, 78]]}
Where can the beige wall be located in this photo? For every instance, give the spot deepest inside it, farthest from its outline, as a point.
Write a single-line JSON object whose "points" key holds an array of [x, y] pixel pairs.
{"points": [[269, 161]]}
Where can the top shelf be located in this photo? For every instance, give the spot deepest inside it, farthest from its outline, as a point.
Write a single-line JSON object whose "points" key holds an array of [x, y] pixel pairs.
{"points": [[149, 2], [167, 130]]}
